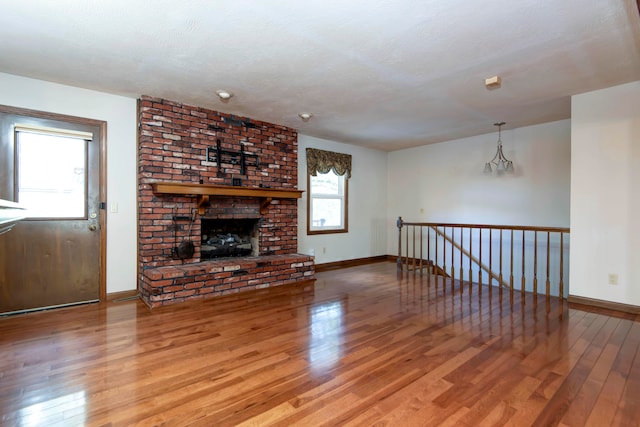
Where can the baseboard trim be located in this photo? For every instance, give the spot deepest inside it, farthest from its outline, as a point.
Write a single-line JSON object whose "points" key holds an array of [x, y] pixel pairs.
{"points": [[352, 263], [122, 296], [609, 305]]}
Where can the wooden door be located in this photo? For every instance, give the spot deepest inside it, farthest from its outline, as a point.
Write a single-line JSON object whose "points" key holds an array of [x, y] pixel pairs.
{"points": [[52, 165]]}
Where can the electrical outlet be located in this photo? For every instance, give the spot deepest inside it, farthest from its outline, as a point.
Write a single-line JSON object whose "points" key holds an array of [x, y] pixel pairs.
{"points": [[324, 250], [613, 279]]}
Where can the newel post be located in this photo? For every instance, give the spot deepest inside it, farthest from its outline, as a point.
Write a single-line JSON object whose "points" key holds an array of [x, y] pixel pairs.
{"points": [[399, 223]]}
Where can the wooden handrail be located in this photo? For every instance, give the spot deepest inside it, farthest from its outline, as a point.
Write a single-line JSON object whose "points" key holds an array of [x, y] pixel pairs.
{"points": [[488, 226], [471, 246]]}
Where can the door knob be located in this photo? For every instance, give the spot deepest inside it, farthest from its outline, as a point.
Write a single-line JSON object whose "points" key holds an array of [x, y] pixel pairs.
{"points": [[93, 227]]}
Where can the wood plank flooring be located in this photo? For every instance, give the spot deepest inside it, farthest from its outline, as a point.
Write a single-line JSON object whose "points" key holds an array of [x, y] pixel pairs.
{"points": [[363, 346]]}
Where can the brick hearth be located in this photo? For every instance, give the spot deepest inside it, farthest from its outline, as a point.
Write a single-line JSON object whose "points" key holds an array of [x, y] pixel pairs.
{"points": [[209, 278], [173, 143]]}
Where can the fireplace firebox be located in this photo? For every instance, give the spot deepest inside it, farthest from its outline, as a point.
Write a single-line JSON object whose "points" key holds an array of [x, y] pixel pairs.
{"points": [[223, 238]]}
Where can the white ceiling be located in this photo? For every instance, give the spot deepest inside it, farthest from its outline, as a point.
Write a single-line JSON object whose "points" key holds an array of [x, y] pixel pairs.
{"points": [[382, 74]]}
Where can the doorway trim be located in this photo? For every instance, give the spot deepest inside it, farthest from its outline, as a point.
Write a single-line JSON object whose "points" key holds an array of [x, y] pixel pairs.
{"points": [[102, 147]]}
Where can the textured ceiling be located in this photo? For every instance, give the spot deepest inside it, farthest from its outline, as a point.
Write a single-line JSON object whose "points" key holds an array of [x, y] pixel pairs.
{"points": [[381, 74]]}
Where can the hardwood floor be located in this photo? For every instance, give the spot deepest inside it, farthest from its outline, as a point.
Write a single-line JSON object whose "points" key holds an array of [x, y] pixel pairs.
{"points": [[361, 347]]}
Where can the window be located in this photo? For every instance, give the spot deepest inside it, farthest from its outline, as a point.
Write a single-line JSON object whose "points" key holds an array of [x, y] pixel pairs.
{"points": [[327, 184], [50, 172], [327, 203]]}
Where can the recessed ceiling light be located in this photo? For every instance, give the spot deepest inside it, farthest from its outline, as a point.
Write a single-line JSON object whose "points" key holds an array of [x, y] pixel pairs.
{"points": [[305, 116], [224, 95]]}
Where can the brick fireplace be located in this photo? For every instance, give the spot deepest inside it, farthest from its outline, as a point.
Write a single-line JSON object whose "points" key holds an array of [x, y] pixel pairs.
{"points": [[197, 166]]}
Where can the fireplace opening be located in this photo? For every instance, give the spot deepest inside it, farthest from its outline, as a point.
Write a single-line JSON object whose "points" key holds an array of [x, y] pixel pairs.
{"points": [[229, 238]]}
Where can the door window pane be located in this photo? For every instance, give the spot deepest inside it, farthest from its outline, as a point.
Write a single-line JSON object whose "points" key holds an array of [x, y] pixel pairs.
{"points": [[51, 175]]}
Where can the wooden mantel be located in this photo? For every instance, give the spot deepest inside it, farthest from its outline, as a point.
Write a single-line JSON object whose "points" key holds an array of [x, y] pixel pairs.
{"points": [[205, 191]]}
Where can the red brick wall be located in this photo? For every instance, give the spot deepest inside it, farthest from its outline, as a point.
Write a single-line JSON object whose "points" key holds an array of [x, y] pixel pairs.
{"points": [[173, 139]]}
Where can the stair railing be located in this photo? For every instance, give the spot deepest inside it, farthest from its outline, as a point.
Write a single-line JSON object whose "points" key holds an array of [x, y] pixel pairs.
{"points": [[491, 255]]}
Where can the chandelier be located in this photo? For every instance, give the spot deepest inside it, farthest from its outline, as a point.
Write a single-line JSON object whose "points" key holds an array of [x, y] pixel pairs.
{"points": [[499, 161]]}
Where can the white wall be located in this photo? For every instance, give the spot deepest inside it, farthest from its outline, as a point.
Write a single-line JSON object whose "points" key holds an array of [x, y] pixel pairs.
{"points": [[605, 194], [120, 115], [367, 205], [445, 182]]}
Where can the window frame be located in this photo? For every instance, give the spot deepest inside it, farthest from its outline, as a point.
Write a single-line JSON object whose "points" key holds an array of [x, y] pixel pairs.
{"points": [[345, 200]]}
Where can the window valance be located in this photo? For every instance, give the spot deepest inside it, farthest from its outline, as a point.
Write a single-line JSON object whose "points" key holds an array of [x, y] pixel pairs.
{"points": [[323, 161]]}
